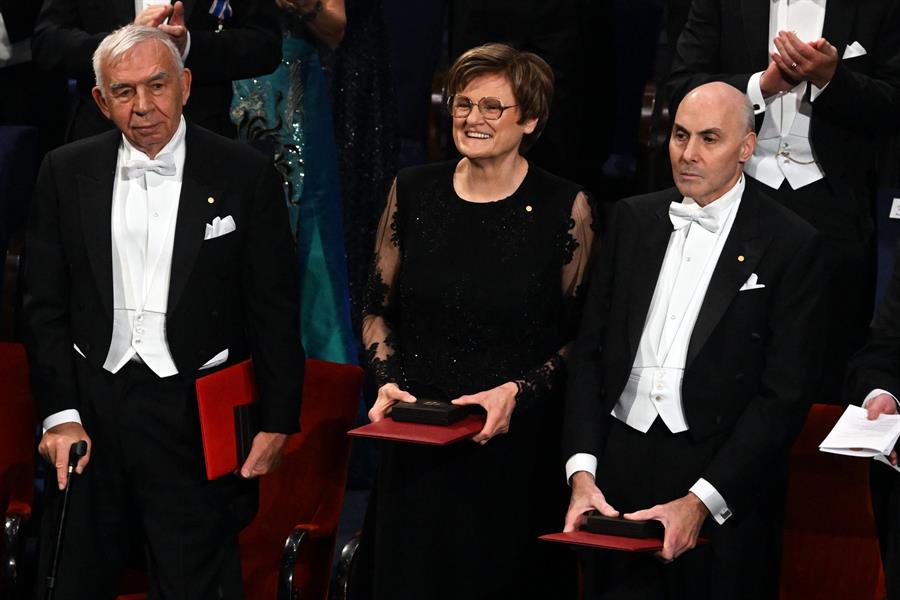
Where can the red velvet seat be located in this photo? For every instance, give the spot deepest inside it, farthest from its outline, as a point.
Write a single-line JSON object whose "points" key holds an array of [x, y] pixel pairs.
{"points": [[830, 545], [305, 495], [288, 547], [17, 447]]}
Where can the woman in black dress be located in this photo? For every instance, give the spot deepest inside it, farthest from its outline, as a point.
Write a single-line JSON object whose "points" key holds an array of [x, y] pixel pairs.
{"points": [[472, 299]]}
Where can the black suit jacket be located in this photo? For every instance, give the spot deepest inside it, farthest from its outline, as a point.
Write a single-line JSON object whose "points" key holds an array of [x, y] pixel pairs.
{"points": [[237, 291], [68, 32], [877, 364], [19, 17], [753, 355], [728, 40]]}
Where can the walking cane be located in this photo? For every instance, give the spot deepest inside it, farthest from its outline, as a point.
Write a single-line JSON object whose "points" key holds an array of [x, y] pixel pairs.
{"points": [[76, 451]]}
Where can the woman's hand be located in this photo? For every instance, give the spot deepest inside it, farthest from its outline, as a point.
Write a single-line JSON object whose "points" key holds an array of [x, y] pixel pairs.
{"points": [[388, 395], [499, 403]]}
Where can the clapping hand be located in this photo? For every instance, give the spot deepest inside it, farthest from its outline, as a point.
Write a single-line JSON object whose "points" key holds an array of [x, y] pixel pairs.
{"points": [[815, 62], [168, 18]]}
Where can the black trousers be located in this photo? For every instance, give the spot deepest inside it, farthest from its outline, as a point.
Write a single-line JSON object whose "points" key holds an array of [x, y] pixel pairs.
{"points": [[145, 487], [843, 215], [741, 562]]}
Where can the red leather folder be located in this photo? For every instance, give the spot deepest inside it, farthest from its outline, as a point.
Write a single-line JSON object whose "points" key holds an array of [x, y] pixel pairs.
{"points": [[609, 542], [606, 542], [225, 437], [418, 433]]}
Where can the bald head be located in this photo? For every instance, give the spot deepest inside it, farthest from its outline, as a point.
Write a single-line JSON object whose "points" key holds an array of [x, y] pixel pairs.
{"points": [[712, 138], [724, 97]]}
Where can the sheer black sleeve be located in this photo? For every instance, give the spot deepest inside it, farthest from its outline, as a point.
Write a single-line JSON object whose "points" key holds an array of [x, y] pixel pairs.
{"points": [[578, 242], [381, 350]]}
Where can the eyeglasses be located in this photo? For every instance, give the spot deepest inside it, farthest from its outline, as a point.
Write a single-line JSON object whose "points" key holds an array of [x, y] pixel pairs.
{"points": [[490, 108]]}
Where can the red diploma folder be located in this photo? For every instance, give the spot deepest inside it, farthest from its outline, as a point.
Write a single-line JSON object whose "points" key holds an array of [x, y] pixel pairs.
{"points": [[607, 542], [419, 433], [224, 399]]}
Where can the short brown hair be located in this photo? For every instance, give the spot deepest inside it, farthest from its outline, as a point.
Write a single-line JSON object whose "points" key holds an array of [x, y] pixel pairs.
{"points": [[528, 74]]}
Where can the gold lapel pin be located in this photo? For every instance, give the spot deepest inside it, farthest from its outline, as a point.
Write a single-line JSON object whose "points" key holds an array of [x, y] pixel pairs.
{"points": [[741, 258], [528, 208], [210, 199]]}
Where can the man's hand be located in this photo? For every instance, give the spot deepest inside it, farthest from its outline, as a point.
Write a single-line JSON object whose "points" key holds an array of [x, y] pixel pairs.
{"points": [[586, 496], [815, 62], [883, 404], [388, 395], [774, 81], [499, 403], [682, 519], [154, 15], [265, 454], [176, 27], [54, 447]]}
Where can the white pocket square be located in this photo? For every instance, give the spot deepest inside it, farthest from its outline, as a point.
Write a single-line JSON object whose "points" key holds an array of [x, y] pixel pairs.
{"points": [[853, 50], [751, 284], [216, 360], [78, 350], [219, 227]]}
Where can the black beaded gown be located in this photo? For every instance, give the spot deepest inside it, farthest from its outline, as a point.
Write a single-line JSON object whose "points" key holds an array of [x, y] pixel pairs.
{"points": [[465, 296]]}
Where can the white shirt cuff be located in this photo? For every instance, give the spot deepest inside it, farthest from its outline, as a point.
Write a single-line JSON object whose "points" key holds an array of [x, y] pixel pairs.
{"points": [[187, 47], [754, 93], [713, 500], [877, 392], [58, 418], [815, 90], [581, 462]]}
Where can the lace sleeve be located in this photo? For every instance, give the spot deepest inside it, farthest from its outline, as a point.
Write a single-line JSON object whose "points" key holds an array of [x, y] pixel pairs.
{"points": [[578, 244], [381, 349]]}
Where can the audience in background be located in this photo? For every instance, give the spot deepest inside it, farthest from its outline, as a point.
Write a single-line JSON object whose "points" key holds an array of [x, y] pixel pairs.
{"points": [[220, 42], [290, 109]]}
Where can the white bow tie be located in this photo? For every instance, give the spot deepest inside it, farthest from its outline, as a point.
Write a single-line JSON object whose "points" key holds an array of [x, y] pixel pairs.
{"points": [[683, 215], [163, 165]]}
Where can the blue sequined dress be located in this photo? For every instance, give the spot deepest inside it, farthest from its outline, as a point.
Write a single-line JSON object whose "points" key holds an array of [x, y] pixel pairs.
{"points": [[290, 112]]}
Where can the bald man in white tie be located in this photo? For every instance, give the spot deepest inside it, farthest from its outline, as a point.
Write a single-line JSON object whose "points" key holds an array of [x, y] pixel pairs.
{"points": [[694, 368], [156, 253]]}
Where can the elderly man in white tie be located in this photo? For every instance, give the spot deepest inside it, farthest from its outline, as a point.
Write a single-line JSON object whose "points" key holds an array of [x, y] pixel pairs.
{"points": [[155, 253], [694, 368]]}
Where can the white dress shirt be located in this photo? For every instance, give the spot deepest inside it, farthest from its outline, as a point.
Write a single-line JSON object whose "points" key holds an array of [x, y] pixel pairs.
{"points": [[654, 384], [144, 212], [784, 151], [12, 53]]}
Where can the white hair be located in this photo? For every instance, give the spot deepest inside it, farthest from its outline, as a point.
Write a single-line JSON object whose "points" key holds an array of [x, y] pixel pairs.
{"points": [[749, 115], [124, 39]]}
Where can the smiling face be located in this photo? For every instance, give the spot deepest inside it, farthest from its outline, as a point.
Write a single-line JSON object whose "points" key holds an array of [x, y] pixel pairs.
{"points": [[710, 142], [144, 95], [479, 138]]}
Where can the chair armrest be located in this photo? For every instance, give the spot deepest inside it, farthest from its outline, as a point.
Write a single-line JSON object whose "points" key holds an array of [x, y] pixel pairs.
{"points": [[12, 530], [345, 568], [289, 560]]}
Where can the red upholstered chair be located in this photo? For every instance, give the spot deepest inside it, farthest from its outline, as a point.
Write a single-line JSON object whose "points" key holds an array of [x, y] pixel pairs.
{"points": [[17, 447], [286, 551], [830, 544], [302, 500]]}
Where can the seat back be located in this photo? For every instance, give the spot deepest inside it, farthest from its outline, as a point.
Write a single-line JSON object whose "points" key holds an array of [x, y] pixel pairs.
{"points": [[17, 448], [830, 546], [17, 428], [308, 487]]}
